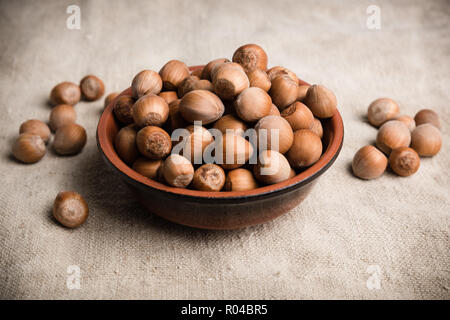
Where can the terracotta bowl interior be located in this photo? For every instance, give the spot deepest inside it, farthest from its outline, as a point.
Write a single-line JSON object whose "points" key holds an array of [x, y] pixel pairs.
{"points": [[108, 128]]}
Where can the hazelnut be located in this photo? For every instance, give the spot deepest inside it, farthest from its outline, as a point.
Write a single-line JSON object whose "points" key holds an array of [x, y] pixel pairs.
{"points": [[150, 110], [201, 105], [123, 109], [253, 104], [197, 72], [229, 81], [272, 167], [230, 122], [275, 127], [408, 121], [427, 116], [404, 161], [125, 144], [28, 148], [169, 96], [277, 71], [302, 90], [69, 139], [284, 91], [274, 111], [251, 56], [61, 115], [153, 142], [317, 128], [206, 72], [235, 151], [92, 88], [193, 83], [146, 82], [369, 163], [240, 180], [173, 73], [321, 101], [306, 149], [292, 174], [194, 145], [224, 65], [299, 116], [209, 177], [426, 139], [392, 135], [175, 118], [65, 93], [70, 209], [36, 127], [382, 110], [109, 98], [259, 78], [148, 168], [178, 171]]}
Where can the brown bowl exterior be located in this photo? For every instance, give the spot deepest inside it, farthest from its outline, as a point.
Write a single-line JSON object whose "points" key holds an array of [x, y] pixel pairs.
{"points": [[219, 210]]}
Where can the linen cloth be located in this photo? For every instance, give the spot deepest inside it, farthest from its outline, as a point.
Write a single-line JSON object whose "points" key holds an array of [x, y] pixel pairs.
{"points": [[387, 238]]}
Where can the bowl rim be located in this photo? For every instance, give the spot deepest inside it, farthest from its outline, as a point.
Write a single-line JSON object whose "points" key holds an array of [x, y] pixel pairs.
{"points": [[326, 160]]}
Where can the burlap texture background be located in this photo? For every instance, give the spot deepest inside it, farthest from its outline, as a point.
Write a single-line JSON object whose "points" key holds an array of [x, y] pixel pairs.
{"points": [[322, 249]]}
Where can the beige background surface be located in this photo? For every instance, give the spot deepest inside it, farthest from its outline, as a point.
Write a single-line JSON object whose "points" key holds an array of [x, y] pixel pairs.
{"points": [[322, 249]]}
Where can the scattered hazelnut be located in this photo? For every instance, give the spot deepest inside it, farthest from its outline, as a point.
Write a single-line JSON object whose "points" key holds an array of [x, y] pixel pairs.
{"points": [[125, 144], [206, 72], [369, 163], [284, 91], [65, 93], [272, 167], [123, 109], [28, 148], [253, 104], [169, 96], [150, 110], [109, 98], [153, 142], [299, 116], [321, 101], [382, 110], [209, 177], [427, 116], [178, 171], [173, 73], [69, 139], [251, 56], [146, 82], [408, 121], [392, 135], [61, 115], [92, 88], [277, 71], [235, 151], [404, 161], [240, 180], [201, 105], [70, 209], [148, 168], [306, 149], [317, 128], [302, 90], [230, 122], [426, 139], [259, 78], [36, 127], [229, 81], [275, 127]]}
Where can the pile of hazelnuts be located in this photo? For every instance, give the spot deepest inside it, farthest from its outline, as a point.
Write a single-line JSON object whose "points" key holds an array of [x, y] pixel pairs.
{"points": [[229, 97], [401, 141], [69, 208]]}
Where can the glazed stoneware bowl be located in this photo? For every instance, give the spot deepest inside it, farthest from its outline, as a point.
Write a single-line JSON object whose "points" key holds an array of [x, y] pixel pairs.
{"points": [[219, 210]]}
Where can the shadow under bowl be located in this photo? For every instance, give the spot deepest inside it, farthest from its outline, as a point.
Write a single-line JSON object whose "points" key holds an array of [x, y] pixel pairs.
{"points": [[219, 210]]}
